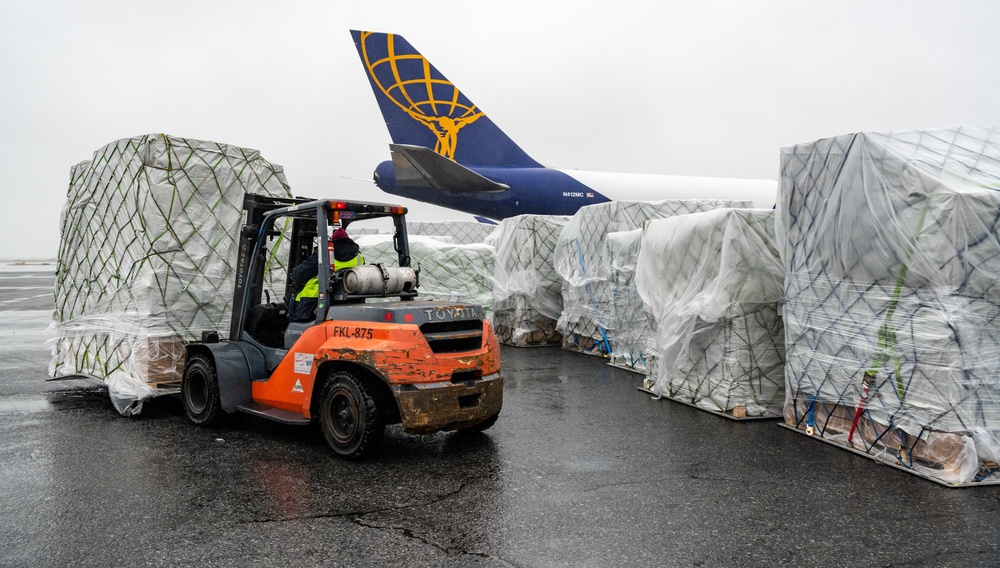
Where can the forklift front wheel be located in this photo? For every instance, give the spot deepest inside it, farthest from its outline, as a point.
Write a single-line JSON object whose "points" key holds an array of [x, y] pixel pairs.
{"points": [[200, 390], [349, 417]]}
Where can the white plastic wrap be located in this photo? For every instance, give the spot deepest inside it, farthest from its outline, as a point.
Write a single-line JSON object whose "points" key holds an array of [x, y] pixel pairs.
{"points": [[459, 232], [634, 329], [582, 261], [892, 314], [147, 255], [448, 272], [712, 282], [527, 295]]}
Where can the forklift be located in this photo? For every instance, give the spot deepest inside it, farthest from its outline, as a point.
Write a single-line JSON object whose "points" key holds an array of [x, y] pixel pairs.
{"points": [[374, 355]]}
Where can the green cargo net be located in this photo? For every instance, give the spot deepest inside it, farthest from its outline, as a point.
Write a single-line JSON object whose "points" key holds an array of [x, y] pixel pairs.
{"points": [[147, 257], [892, 294]]}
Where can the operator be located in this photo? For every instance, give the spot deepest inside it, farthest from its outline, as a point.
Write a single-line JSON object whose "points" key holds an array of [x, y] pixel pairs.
{"points": [[346, 254]]}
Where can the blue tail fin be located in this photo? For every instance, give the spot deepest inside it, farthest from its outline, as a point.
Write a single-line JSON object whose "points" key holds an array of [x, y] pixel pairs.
{"points": [[423, 108]]}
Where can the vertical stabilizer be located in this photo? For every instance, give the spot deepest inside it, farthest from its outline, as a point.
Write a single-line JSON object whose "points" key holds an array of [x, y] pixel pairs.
{"points": [[422, 107]]}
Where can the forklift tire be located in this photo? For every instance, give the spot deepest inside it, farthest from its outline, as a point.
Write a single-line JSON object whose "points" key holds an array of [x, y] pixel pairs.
{"points": [[482, 426], [349, 417], [200, 391]]}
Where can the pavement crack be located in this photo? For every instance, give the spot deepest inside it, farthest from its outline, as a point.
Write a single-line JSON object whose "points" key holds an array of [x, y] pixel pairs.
{"points": [[364, 512], [357, 517], [449, 550]]}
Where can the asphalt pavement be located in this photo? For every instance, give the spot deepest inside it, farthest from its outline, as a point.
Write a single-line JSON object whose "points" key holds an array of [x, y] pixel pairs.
{"points": [[582, 469]]}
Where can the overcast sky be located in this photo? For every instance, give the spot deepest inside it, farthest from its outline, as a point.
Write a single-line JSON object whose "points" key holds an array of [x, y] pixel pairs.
{"points": [[707, 88]]}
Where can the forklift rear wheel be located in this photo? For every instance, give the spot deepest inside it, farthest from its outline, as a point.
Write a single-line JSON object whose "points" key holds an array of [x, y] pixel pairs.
{"points": [[349, 417], [200, 390]]}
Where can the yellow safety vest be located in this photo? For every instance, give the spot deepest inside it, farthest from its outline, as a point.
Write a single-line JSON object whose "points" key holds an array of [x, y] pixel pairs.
{"points": [[311, 289]]}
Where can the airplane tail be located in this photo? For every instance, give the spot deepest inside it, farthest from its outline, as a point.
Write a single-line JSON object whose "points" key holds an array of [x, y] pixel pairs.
{"points": [[423, 108]]}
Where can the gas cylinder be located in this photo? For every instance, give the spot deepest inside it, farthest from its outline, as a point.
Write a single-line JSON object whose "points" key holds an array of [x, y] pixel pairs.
{"points": [[379, 279]]}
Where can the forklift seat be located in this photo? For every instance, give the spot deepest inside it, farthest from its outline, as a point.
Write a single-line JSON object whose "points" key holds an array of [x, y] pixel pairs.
{"points": [[266, 323]]}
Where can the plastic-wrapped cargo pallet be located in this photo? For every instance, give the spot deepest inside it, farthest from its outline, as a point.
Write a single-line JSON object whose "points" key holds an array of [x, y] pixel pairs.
{"points": [[712, 282], [892, 313], [527, 297], [448, 272], [582, 262], [634, 329], [147, 255]]}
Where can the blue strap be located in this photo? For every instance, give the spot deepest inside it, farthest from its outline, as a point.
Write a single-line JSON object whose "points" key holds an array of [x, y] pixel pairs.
{"points": [[812, 411], [579, 256]]}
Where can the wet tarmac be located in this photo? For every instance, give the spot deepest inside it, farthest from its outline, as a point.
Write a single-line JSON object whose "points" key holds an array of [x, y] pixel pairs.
{"points": [[25, 288], [582, 469]]}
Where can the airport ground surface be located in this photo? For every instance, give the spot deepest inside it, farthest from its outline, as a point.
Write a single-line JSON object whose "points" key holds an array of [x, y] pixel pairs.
{"points": [[581, 470]]}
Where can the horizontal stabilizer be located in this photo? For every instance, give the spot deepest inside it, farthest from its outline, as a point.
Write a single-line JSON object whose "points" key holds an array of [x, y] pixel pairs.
{"points": [[417, 166]]}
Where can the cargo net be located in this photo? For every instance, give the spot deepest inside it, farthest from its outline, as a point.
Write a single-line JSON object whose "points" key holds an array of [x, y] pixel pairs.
{"points": [[448, 272], [635, 330], [892, 294], [456, 232], [527, 297], [459, 232], [712, 282], [146, 258], [582, 261]]}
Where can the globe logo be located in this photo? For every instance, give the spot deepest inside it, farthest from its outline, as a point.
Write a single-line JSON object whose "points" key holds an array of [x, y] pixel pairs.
{"points": [[408, 80]]}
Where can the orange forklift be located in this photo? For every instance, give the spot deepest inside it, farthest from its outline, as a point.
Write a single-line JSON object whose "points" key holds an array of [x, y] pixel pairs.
{"points": [[374, 354]]}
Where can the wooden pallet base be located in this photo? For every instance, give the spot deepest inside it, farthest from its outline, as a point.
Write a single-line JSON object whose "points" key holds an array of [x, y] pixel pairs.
{"points": [[938, 451], [627, 368], [166, 387], [992, 480], [738, 413]]}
